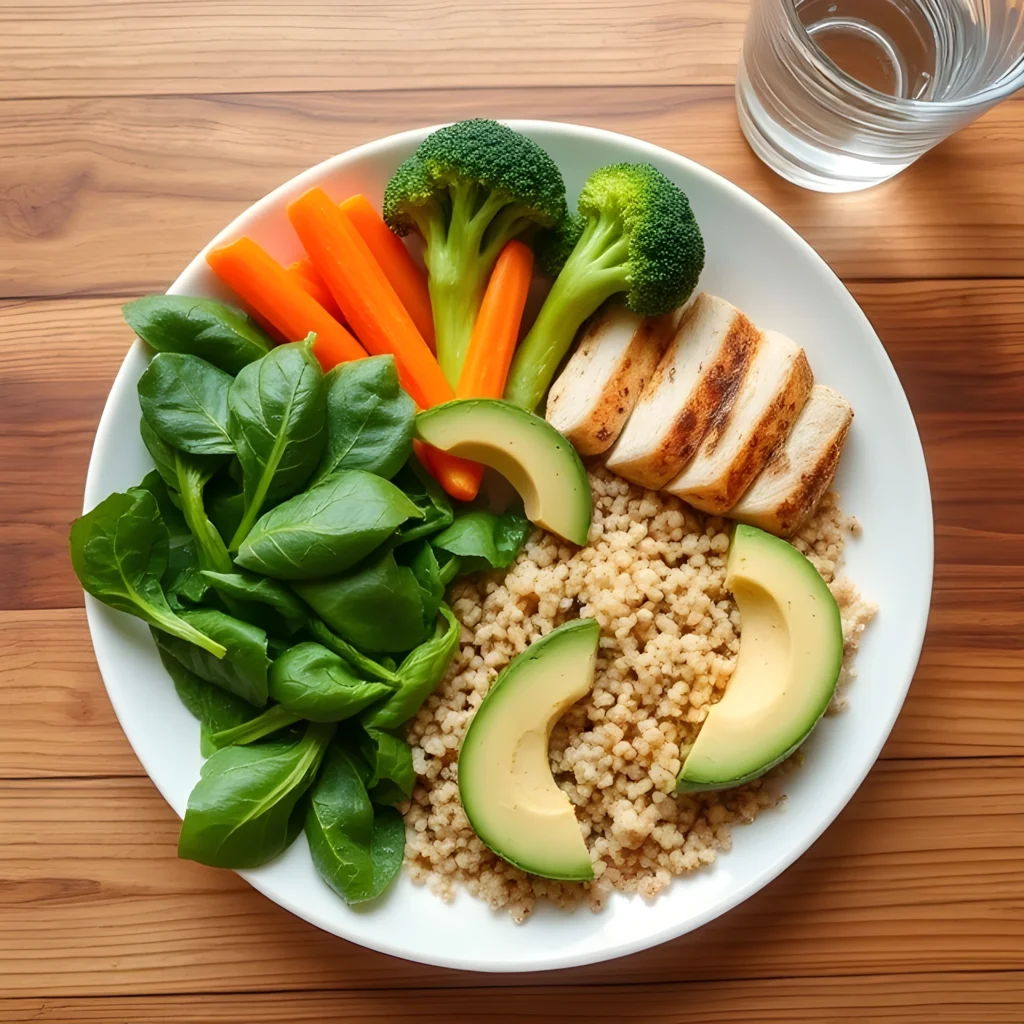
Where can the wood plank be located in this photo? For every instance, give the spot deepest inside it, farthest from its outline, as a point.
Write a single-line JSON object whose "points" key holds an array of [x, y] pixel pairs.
{"points": [[133, 188], [958, 346], [987, 997], [94, 901], [976, 498], [151, 47], [968, 403], [50, 685]]}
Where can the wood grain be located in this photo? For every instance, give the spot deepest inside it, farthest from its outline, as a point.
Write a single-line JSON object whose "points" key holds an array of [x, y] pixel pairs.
{"points": [[990, 997], [893, 887], [967, 699], [142, 184], [130, 132], [174, 46]]}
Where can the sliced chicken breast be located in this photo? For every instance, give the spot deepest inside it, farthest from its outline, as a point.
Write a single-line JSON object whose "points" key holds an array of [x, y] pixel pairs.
{"points": [[697, 379], [744, 433], [801, 469], [595, 393]]}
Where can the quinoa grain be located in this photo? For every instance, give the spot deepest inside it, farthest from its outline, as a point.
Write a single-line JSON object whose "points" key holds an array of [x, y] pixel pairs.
{"points": [[653, 575]]}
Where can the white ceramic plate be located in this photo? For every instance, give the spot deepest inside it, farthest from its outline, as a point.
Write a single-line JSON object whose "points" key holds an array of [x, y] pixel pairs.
{"points": [[760, 264]]}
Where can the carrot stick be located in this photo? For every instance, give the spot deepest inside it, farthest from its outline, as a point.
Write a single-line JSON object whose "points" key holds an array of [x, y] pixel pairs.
{"points": [[306, 275], [496, 331], [276, 296], [376, 314], [406, 276]]}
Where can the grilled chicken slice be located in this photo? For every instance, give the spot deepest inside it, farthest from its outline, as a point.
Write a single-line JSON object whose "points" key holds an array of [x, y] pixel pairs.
{"points": [[801, 469], [698, 377], [744, 433], [595, 393]]}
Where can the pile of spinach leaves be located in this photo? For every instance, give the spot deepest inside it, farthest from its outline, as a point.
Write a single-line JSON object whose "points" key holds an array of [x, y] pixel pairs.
{"points": [[291, 555]]}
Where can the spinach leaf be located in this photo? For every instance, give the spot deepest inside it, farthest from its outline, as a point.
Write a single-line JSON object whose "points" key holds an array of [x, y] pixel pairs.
{"points": [[119, 551], [377, 606], [240, 813], [426, 493], [215, 708], [366, 666], [185, 476], [181, 578], [316, 684], [272, 720], [484, 540], [218, 333], [327, 529], [418, 676], [247, 586], [185, 400], [357, 848], [428, 576], [225, 503], [392, 775], [243, 670], [277, 410], [369, 419]]}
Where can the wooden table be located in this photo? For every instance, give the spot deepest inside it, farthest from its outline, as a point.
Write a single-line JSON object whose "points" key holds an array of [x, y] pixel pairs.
{"points": [[130, 132]]}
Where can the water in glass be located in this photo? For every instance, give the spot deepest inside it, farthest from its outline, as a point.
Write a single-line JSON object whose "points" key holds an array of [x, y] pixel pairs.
{"points": [[838, 95]]}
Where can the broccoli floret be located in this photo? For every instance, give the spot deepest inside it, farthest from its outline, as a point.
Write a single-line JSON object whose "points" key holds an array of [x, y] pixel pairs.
{"points": [[639, 237], [468, 189]]}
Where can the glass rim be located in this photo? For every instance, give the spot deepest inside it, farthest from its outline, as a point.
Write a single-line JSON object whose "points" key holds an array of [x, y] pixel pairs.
{"points": [[998, 90]]}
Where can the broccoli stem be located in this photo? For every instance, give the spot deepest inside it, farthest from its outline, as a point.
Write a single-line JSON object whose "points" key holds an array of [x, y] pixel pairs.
{"points": [[459, 268], [595, 271]]}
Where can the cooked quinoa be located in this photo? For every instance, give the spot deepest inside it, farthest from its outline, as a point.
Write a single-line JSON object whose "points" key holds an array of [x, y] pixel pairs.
{"points": [[653, 575]]}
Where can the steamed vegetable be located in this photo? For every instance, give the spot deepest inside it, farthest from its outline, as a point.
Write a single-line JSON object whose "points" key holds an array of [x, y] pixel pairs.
{"points": [[373, 309], [636, 235], [377, 606], [280, 300], [185, 400], [242, 670], [240, 815], [268, 722], [316, 684], [468, 190], [494, 337], [308, 277], [219, 333], [277, 411], [357, 847], [404, 274], [327, 529], [119, 553], [369, 419]]}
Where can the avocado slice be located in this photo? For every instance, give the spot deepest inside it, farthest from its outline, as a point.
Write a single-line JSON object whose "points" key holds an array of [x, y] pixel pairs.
{"points": [[534, 457], [505, 780], [791, 651]]}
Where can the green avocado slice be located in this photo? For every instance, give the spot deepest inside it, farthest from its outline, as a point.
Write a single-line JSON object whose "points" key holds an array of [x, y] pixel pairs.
{"points": [[534, 457], [791, 652], [505, 780]]}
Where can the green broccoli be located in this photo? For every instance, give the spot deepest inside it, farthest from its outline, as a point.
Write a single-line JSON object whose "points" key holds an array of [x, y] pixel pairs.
{"points": [[636, 234], [468, 189]]}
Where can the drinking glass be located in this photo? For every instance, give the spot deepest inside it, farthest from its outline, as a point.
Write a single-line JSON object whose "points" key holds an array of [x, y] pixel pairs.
{"points": [[839, 95]]}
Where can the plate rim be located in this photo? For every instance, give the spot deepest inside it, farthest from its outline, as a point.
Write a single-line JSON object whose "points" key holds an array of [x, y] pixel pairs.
{"points": [[915, 630]]}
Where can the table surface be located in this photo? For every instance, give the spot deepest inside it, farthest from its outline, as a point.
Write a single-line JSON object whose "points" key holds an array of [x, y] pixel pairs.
{"points": [[130, 133]]}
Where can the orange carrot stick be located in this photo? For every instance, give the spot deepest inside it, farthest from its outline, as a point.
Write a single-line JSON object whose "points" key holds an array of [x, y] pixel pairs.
{"points": [[406, 276], [496, 331], [306, 275], [375, 312], [269, 289]]}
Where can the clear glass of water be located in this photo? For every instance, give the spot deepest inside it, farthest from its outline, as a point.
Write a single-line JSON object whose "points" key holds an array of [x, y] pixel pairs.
{"points": [[839, 95]]}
